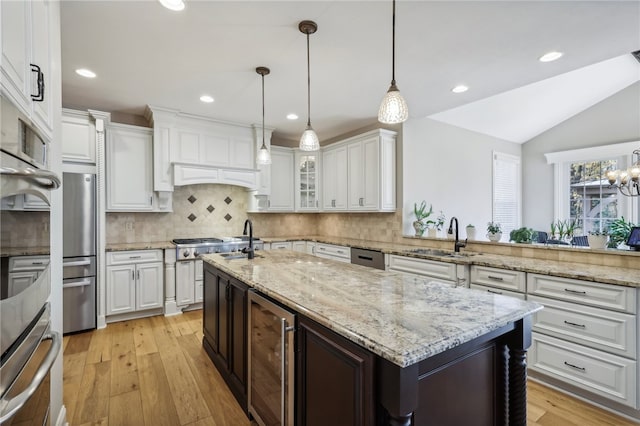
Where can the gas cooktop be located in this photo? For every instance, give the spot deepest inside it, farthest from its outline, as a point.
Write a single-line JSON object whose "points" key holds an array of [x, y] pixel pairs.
{"points": [[190, 248]]}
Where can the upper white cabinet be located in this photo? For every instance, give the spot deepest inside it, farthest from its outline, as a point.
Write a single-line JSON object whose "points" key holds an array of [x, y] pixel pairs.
{"points": [[307, 178], [281, 197], [334, 178], [26, 59], [370, 173], [129, 167], [78, 137]]}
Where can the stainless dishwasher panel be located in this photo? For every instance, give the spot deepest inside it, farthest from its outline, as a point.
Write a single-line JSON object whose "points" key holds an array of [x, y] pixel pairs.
{"points": [[364, 257], [271, 361], [79, 304]]}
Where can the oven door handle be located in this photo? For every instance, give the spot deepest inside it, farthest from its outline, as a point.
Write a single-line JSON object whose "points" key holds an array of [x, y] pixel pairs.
{"points": [[33, 175], [11, 407]]}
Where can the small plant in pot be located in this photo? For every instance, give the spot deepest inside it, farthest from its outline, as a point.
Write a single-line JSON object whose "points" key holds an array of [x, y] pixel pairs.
{"points": [[523, 235], [471, 232], [598, 239], [421, 212], [619, 231], [494, 231]]}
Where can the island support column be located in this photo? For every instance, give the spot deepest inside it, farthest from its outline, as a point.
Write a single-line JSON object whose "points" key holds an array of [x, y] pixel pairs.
{"points": [[517, 374], [398, 392]]}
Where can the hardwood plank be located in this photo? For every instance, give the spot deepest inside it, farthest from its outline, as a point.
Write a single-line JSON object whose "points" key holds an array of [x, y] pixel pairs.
{"points": [[124, 367], [143, 337], [73, 364], [158, 407], [78, 343], [100, 346], [93, 395], [180, 324], [126, 409], [164, 334], [204, 422], [100, 422], [71, 389]]}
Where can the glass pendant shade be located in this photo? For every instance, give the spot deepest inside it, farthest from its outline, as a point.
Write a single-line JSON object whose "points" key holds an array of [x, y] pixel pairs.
{"points": [[263, 155], [393, 109], [309, 140]]}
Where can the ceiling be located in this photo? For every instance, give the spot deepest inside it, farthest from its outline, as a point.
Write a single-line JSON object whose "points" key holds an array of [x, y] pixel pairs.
{"points": [[145, 54]]}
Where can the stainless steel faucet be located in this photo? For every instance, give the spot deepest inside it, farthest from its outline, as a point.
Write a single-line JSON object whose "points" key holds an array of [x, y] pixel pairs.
{"points": [[249, 250], [458, 244]]}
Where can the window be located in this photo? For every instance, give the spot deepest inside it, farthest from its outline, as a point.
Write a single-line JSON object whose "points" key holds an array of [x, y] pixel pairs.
{"points": [[507, 199], [582, 192]]}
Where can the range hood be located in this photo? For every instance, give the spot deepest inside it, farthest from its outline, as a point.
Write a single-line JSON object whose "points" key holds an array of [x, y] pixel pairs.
{"points": [[190, 174]]}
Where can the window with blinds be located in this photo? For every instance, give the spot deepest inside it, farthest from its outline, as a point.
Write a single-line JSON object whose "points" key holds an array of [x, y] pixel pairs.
{"points": [[507, 196]]}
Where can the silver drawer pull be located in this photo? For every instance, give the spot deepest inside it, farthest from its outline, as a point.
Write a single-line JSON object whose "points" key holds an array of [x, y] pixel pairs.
{"points": [[568, 290], [369, 258], [340, 251], [574, 324], [575, 366], [135, 257], [494, 292], [37, 263], [491, 277]]}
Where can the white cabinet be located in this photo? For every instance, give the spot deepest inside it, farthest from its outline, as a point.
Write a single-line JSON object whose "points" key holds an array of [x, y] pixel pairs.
{"points": [[299, 246], [307, 179], [333, 252], [26, 59], [134, 281], [189, 281], [496, 278], [78, 137], [281, 198], [281, 245], [129, 164], [334, 178], [370, 175], [445, 272], [23, 271]]}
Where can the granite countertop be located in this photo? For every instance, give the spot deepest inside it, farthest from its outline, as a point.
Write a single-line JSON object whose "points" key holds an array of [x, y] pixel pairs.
{"points": [[596, 273], [141, 246], [24, 251], [402, 319]]}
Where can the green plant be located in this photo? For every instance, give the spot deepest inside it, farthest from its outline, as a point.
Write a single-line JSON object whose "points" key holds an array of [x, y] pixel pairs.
{"points": [[599, 232], [493, 227], [619, 231], [522, 235], [439, 223], [471, 226], [421, 212]]}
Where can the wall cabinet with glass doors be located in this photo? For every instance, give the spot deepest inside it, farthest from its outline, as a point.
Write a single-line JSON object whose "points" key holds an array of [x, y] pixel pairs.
{"points": [[307, 179]]}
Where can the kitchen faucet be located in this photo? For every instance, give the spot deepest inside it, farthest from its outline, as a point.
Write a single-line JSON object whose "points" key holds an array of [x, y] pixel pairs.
{"points": [[458, 244], [248, 250]]}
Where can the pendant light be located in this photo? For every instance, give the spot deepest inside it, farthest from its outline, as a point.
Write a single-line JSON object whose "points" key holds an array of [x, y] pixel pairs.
{"points": [[309, 140], [393, 108], [264, 157]]}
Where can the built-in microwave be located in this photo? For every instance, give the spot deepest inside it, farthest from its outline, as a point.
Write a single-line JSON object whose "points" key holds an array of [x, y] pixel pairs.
{"points": [[20, 138]]}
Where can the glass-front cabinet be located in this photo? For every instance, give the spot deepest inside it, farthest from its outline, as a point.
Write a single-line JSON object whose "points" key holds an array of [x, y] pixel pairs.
{"points": [[307, 180]]}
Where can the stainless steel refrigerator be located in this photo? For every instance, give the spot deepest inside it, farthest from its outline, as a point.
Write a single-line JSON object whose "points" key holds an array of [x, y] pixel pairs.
{"points": [[79, 252]]}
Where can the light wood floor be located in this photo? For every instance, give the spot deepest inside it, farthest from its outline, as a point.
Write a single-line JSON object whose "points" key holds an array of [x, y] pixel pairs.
{"points": [[153, 371]]}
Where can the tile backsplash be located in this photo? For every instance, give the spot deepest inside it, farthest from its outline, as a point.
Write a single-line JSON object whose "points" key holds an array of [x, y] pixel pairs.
{"points": [[198, 211]]}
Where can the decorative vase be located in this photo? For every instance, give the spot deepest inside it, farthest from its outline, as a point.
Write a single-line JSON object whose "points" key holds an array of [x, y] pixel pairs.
{"points": [[419, 226], [432, 233], [471, 233], [495, 237], [597, 242]]}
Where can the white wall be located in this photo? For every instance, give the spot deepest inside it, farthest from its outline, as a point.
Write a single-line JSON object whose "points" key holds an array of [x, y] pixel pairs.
{"points": [[450, 168], [614, 120]]}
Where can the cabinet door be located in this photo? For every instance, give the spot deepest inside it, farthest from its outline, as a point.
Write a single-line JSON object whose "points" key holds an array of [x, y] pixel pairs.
{"points": [[364, 169], [19, 281], [238, 330], [185, 282], [306, 187], [41, 56], [210, 308], [121, 289], [149, 286], [16, 71], [281, 198], [223, 320], [78, 138], [129, 169], [300, 246], [334, 178]]}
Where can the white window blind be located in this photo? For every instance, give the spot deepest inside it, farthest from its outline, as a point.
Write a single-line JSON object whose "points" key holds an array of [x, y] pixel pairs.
{"points": [[507, 198]]}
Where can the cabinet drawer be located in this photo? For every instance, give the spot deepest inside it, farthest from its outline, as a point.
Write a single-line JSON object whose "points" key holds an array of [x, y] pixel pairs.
{"points": [[332, 251], [586, 292], [430, 268], [133, 256], [28, 263], [499, 291], [281, 245], [609, 331], [608, 375], [496, 277]]}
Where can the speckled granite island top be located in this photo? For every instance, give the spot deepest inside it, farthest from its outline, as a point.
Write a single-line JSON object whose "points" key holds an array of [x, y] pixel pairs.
{"points": [[404, 320]]}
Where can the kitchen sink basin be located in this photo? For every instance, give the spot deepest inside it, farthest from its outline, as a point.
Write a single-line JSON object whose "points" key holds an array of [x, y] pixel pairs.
{"points": [[440, 253], [236, 255]]}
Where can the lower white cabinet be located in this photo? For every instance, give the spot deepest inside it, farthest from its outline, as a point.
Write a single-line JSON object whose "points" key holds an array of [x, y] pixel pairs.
{"points": [[445, 272], [281, 245], [300, 246], [333, 252], [189, 281], [134, 281], [23, 271], [498, 291]]}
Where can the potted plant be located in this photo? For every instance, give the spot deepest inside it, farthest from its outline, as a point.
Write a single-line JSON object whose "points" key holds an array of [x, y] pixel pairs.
{"points": [[494, 231], [619, 231], [439, 223], [471, 232], [421, 214], [598, 239], [523, 235]]}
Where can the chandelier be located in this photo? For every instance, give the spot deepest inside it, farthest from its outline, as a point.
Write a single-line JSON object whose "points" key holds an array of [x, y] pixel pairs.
{"points": [[627, 181]]}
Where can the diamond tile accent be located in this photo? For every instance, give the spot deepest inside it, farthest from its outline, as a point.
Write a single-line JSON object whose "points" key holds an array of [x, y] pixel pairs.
{"points": [[192, 217], [192, 199], [227, 217], [211, 208], [228, 200]]}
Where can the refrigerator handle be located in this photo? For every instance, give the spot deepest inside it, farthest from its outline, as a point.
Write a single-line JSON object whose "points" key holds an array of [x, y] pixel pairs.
{"points": [[82, 283], [77, 263]]}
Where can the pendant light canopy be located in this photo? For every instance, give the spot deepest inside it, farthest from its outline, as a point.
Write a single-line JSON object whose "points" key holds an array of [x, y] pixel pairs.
{"points": [[309, 140], [393, 108], [264, 157]]}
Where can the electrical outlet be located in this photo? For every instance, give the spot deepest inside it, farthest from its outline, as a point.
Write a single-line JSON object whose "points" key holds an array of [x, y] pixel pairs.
{"points": [[128, 226]]}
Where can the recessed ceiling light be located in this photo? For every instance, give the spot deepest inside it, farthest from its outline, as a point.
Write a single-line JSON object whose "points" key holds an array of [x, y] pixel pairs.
{"points": [[206, 99], [292, 116], [176, 5], [85, 73], [460, 88], [550, 56]]}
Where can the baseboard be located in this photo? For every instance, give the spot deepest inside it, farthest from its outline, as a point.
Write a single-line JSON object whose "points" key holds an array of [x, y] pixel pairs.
{"points": [[171, 308], [62, 417]]}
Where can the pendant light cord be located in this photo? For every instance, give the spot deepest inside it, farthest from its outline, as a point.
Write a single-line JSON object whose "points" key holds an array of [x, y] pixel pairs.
{"points": [[308, 84], [393, 46], [263, 145]]}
